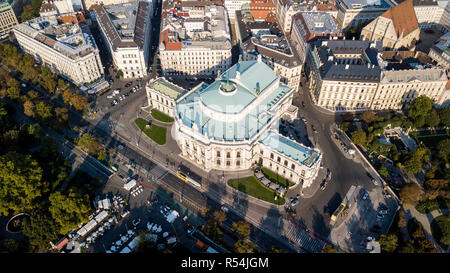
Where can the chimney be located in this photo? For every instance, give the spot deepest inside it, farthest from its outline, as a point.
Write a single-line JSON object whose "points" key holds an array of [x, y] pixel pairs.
{"points": [[238, 75], [347, 66], [259, 58]]}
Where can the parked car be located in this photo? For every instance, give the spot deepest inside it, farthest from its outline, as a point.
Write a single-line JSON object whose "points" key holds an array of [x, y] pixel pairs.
{"points": [[366, 194], [294, 202], [374, 181], [328, 174], [224, 208]]}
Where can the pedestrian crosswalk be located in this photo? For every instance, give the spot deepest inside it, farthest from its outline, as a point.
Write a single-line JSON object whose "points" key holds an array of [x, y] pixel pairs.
{"points": [[302, 238]]}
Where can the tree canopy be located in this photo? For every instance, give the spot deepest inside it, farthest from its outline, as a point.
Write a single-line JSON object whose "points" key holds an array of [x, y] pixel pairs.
{"points": [[410, 194], [242, 228], [359, 137], [69, 210], [40, 228], [20, 182], [388, 242]]}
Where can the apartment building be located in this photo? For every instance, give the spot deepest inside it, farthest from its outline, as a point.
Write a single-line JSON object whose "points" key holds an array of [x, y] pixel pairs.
{"points": [[68, 49], [440, 52], [126, 31], [195, 39], [263, 10], [396, 28], [89, 3], [310, 26], [286, 9], [428, 13], [232, 6], [356, 13], [7, 18], [397, 88], [261, 39]]}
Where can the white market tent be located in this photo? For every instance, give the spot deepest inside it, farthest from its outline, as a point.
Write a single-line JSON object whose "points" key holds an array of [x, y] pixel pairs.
{"points": [[125, 250], [130, 185], [90, 225], [106, 203], [102, 215], [82, 231], [172, 216], [172, 239], [133, 243]]}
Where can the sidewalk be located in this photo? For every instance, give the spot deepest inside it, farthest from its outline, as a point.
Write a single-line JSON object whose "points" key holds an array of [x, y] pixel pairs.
{"points": [[311, 190], [425, 220]]}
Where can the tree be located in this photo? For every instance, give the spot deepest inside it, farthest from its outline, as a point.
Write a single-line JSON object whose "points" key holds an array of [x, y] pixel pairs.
{"points": [[62, 115], [359, 138], [244, 246], [432, 119], [410, 194], [27, 13], [119, 73], [383, 172], [329, 249], [420, 108], [211, 230], [28, 108], [62, 85], [89, 144], [416, 160], [444, 116], [242, 228], [69, 210], [401, 219], [274, 249], [101, 155], [368, 117], [41, 228], [407, 248], [443, 149], [32, 95], [20, 182], [388, 242], [43, 110], [47, 80], [35, 130], [220, 216], [13, 93]]}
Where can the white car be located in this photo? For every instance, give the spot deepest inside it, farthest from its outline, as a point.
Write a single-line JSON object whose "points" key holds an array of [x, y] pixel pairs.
{"points": [[224, 208], [110, 96], [115, 92], [374, 181]]}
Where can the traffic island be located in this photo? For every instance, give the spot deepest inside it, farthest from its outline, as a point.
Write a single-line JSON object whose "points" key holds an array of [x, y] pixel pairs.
{"points": [[251, 186], [154, 132], [160, 116]]}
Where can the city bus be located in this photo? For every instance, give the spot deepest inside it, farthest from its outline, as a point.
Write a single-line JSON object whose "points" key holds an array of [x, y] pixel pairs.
{"points": [[337, 212], [185, 174]]}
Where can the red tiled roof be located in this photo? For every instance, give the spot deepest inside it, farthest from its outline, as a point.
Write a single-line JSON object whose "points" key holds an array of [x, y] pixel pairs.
{"points": [[404, 18], [169, 45]]}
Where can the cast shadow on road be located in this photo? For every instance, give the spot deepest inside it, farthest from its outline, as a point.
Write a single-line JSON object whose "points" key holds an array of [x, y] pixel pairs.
{"points": [[365, 223]]}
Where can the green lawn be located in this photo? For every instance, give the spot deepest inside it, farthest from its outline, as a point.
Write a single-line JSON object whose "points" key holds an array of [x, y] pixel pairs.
{"points": [[251, 186], [440, 226], [158, 115], [276, 178], [156, 133], [432, 141], [430, 205]]}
